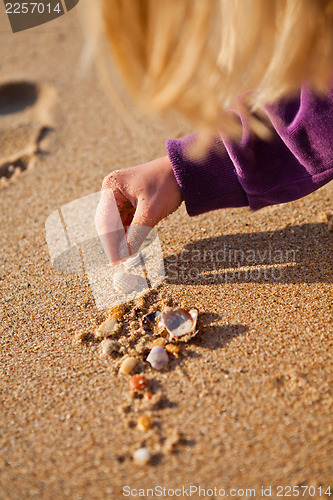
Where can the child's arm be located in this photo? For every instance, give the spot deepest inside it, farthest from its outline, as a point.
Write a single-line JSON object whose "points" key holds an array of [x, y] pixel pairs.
{"points": [[297, 160]]}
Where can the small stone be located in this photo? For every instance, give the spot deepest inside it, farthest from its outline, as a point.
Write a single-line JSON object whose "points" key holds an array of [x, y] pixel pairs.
{"points": [[109, 347], [116, 312], [144, 423], [158, 358], [172, 349], [106, 328], [138, 382], [128, 365], [142, 456]]}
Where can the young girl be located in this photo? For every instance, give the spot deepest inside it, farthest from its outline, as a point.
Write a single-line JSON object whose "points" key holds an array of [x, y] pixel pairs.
{"points": [[255, 76]]}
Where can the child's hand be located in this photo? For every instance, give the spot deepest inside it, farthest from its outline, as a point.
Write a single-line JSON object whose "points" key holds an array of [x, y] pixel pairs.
{"points": [[137, 199]]}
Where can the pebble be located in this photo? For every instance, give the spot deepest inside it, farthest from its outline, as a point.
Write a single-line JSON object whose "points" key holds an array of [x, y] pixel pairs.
{"points": [[158, 357], [128, 365], [109, 347], [144, 423], [142, 456], [138, 382]]}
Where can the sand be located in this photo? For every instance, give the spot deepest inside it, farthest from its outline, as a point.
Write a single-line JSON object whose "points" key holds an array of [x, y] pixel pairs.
{"points": [[251, 395]]}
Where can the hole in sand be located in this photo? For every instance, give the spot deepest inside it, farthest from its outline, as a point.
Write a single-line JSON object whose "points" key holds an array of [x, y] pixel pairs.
{"points": [[16, 97]]}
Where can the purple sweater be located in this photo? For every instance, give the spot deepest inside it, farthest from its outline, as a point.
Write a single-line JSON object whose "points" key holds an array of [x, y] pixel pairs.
{"points": [[296, 160]]}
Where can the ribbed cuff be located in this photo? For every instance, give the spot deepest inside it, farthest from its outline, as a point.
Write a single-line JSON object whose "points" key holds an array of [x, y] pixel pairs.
{"points": [[208, 184]]}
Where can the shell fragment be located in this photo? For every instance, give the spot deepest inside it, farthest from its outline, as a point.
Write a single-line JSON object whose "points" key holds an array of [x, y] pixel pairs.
{"points": [[179, 323], [106, 328], [158, 357]]}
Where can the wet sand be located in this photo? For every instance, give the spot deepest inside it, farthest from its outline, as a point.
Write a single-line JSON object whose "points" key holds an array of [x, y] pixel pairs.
{"points": [[251, 395]]}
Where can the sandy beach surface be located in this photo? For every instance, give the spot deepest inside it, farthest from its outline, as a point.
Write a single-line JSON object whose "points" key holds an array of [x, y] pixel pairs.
{"points": [[246, 404]]}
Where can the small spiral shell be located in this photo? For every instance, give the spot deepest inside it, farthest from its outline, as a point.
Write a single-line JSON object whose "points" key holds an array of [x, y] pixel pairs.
{"points": [[125, 282]]}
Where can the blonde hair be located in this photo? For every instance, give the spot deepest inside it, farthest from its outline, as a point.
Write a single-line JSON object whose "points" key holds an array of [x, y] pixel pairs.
{"points": [[197, 56]]}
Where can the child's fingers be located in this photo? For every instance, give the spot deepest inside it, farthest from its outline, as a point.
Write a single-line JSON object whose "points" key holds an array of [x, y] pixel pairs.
{"points": [[139, 229]]}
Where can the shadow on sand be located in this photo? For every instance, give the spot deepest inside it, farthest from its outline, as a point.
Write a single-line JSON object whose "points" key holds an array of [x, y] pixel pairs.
{"points": [[296, 254]]}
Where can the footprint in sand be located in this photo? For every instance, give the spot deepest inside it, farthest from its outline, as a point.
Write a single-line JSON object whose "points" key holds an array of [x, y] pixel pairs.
{"points": [[24, 122]]}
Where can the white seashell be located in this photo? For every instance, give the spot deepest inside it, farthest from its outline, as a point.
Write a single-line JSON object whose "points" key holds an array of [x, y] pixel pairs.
{"points": [[106, 328], [134, 261], [142, 456], [125, 282], [158, 357], [179, 322], [128, 365]]}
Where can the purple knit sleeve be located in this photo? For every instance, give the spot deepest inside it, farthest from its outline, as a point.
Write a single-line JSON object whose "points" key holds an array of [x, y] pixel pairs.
{"points": [[296, 160]]}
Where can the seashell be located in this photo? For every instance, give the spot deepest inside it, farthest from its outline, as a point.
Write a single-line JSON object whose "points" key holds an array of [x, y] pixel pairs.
{"points": [[106, 328], [179, 323], [142, 456], [134, 261], [125, 282], [128, 365], [116, 311], [138, 382], [158, 357], [109, 347], [144, 423]]}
